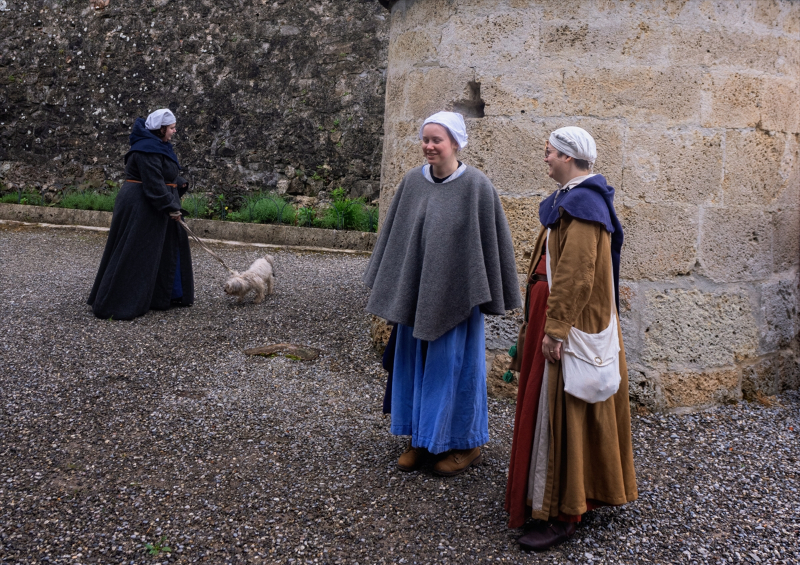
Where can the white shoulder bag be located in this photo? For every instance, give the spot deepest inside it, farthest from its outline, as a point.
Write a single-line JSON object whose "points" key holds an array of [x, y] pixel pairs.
{"points": [[590, 361]]}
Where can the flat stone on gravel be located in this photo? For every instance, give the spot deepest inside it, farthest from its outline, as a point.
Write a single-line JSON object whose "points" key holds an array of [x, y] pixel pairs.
{"points": [[119, 439]]}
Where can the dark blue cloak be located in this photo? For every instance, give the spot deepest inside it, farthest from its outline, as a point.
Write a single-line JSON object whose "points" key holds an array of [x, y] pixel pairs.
{"points": [[592, 201]]}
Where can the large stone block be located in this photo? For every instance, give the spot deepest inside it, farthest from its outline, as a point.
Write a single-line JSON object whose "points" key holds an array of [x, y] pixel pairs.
{"points": [[779, 313], [603, 41], [509, 152], [735, 243], [733, 49], [696, 389], [735, 100], [786, 239], [752, 99], [504, 95], [778, 15], [780, 103], [523, 219], [669, 95], [499, 38], [691, 328], [672, 165], [432, 89], [770, 374], [660, 240], [411, 48], [758, 166], [410, 14]]}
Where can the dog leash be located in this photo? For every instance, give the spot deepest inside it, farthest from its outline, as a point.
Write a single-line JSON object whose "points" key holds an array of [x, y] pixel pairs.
{"points": [[204, 246]]}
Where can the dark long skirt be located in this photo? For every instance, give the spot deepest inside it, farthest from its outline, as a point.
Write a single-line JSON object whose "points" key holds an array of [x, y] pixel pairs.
{"points": [[530, 387], [138, 269]]}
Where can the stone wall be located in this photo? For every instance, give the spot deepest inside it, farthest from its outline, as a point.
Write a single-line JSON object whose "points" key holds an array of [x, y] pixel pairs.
{"points": [[695, 107], [284, 95]]}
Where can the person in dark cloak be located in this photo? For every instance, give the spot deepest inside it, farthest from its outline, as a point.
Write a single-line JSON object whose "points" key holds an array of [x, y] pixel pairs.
{"points": [[146, 264], [443, 259]]}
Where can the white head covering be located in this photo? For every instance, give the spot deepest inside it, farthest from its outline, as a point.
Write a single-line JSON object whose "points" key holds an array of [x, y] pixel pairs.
{"points": [[575, 142], [160, 118], [453, 122]]}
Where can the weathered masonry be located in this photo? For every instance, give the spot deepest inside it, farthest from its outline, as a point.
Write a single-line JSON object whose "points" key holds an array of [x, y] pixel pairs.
{"points": [[283, 95], [696, 110]]}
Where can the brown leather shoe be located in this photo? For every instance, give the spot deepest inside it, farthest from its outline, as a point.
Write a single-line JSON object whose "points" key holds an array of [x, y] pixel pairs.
{"points": [[411, 459], [458, 461], [544, 538]]}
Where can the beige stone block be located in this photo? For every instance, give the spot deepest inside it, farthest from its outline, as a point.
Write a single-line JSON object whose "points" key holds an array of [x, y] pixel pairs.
{"points": [[511, 151], [735, 100], [660, 240], [506, 96], [786, 239], [430, 90], [672, 165], [523, 219], [670, 95], [497, 363], [507, 151], [741, 100], [780, 104], [496, 38], [603, 42], [409, 14], [412, 48], [691, 389], [759, 166], [782, 15], [735, 243], [734, 48], [688, 327], [779, 315]]}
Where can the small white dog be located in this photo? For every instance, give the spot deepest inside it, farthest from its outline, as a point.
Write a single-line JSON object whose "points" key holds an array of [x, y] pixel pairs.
{"points": [[258, 277]]}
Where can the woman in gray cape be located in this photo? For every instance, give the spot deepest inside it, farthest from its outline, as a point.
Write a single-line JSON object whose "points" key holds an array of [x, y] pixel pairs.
{"points": [[146, 263], [443, 259]]}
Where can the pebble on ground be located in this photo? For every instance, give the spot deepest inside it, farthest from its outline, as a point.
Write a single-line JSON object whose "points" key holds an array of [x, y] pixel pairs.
{"points": [[121, 440]]}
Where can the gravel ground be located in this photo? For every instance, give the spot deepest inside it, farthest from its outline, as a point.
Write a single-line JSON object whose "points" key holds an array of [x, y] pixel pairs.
{"points": [[114, 435]]}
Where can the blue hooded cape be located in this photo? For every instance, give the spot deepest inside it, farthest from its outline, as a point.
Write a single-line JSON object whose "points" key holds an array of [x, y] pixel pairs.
{"points": [[592, 201], [142, 140]]}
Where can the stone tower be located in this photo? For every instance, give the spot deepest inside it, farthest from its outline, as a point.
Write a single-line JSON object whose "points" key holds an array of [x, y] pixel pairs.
{"points": [[695, 107]]}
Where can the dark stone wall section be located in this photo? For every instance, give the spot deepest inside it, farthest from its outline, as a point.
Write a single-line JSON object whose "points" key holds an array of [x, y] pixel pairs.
{"points": [[285, 94]]}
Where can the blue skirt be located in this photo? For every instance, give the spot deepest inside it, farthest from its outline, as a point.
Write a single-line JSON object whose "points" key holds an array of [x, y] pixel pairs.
{"points": [[439, 387]]}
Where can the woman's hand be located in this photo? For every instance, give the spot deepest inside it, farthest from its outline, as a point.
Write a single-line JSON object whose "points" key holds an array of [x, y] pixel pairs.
{"points": [[175, 216], [551, 348]]}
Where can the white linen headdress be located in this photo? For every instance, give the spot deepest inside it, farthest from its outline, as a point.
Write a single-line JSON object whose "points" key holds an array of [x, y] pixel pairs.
{"points": [[453, 122], [163, 117], [575, 142]]}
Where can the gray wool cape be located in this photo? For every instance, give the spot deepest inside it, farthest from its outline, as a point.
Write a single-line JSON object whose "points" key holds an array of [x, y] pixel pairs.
{"points": [[138, 266], [443, 249]]}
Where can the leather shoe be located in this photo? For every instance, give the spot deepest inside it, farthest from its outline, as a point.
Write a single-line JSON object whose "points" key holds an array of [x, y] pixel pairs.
{"points": [[411, 459], [458, 461], [544, 538]]}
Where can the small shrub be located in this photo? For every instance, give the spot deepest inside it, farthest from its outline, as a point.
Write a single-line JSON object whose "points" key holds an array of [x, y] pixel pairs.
{"points": [[90, 200], [306, 216], [348, 214], [196, 205], [264, 209], [26, 197]]}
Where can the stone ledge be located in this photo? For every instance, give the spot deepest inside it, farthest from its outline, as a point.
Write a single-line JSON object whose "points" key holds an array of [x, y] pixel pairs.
{"points": [[231, 231]]}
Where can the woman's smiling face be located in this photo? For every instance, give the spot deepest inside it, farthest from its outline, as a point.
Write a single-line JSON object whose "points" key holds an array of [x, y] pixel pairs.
{"points": [[437, 145]]}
